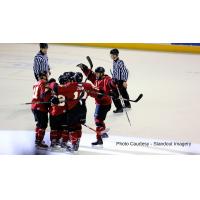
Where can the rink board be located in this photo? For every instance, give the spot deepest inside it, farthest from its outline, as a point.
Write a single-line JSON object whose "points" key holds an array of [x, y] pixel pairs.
{"points": [[145, 46]]}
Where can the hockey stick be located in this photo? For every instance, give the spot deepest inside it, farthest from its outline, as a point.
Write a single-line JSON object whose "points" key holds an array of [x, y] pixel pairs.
{"points": [[92, 129], [29, 103], [122, 101], [104, 131], [85, 126], [136, 100], [90, 61], [123, 104], [91, 66], [89, 127]]}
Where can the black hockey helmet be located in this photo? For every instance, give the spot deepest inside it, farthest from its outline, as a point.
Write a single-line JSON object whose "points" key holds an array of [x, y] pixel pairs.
{"points": [[69, 75], [42, 74], [62, 79], [43, 46], [100, 70], [78, 77], [114, 52], [65, 73], [51, 80]]}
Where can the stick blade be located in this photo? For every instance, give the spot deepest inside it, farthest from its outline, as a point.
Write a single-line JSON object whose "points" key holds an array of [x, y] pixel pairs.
{"points": [[90, 61], [139, 97]]}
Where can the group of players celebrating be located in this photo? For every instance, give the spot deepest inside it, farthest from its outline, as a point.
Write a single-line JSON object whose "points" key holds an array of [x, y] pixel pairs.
{"points": [[65, 102]]}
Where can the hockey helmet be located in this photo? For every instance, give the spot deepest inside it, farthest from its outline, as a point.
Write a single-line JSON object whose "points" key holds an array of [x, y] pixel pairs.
{"points": [[78, 77], [100, 70]]}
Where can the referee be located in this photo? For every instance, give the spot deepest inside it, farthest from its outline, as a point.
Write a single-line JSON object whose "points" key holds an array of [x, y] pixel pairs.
{"points": [[120, 75], [41, 63]]}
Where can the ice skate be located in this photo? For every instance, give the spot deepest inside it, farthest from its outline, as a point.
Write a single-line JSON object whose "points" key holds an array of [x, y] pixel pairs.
{"points": [[128, 106], [118, 110], [63, 145], [76, 145], [104, 135], [55, 145], [99, 142], [72, 147], [41, 145]]}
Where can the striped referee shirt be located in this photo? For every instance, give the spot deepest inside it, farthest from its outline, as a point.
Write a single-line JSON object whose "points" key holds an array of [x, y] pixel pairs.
{"points": [[120, 72], [41, 63]]}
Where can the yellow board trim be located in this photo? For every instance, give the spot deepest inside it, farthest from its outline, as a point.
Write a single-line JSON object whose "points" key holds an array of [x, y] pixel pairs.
{"points": [[144, 46]]}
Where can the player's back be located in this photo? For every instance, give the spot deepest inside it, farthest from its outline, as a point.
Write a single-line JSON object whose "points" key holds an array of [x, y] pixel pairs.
{"points": [[38, 92], [75, 92], [58, 109]]}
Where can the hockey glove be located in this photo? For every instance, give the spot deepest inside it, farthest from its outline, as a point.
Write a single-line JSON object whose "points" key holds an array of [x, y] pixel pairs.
{"points": [[115, 81], [55, 100], [82, 121], [113, 94], [101, 94], [82, 66]]}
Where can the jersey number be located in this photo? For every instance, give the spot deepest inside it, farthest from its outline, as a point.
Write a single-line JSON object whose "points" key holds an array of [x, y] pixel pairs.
{"points": [[62, 99], [35, 92], [76, 94]]}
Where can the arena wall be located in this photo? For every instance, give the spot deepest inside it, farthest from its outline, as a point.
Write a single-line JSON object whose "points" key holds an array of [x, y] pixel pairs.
{"points": [[166, 47]]}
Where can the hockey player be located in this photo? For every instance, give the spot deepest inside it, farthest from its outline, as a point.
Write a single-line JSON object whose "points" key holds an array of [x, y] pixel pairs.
{"points": [[75, 91], [40, 110], [76, 110], [58, 114], [105, 85]]}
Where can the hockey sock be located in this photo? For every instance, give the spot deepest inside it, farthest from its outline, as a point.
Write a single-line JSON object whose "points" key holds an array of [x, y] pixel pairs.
{"points": [[54, 135], [75, 136], [65, 136], [40, 134]]}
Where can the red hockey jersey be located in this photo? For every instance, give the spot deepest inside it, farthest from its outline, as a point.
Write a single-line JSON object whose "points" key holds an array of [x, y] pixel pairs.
{"points": [[69, 95], [39, 90], [76, 91], [105, 84], [57, 91]]}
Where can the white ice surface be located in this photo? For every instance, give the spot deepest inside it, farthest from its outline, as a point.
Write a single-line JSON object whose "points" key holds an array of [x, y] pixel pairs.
{"points": [[170, 83], [22, 142]]}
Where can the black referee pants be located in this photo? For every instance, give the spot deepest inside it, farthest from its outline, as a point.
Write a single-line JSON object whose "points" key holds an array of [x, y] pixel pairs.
{"points": [[125, 95]]}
